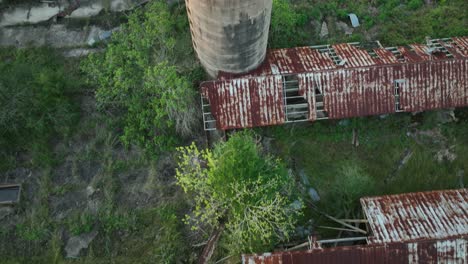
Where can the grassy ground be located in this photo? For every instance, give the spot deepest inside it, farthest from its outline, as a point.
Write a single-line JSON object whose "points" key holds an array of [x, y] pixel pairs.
{"points": [[342, 173]]}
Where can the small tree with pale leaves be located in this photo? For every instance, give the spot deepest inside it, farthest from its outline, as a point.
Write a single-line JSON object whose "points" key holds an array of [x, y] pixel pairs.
{"points": [[237, 186]]}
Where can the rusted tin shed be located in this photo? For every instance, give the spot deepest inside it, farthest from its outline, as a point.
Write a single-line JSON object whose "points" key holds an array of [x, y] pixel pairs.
{"points": [[415, 216], [341, 81], [412, 228], [452, 251]]}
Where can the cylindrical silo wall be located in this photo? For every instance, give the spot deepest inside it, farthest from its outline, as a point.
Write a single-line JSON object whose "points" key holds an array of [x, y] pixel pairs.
{"points": [[229, 35]]}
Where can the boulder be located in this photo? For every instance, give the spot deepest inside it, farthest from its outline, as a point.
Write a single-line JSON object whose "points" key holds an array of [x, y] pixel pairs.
{"points": [[344, 27], [324, 30], [77, 243]]}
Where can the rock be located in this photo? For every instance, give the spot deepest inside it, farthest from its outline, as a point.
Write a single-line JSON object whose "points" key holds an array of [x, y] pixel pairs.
{"points": [[90, 190], [445, 154], [445, 116], [93, 206], [35, 14], [79, 52], [313, 195], [304, 178], [5, 211], [324, 30], [344, 122], [344, 27], [296, 205], [267, 144], [77, 243], [461, 175]]}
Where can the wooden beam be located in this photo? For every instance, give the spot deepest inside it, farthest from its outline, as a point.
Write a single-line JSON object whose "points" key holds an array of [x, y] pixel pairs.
{"points": [[338, 228]]}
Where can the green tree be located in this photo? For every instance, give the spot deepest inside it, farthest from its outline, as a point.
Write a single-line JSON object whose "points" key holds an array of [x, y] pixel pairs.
{"points": [[285, 28], [236, 185], [143, 78]]}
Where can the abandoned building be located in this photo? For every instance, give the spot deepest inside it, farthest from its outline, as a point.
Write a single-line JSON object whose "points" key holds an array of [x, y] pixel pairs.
{"points": [[229, 36], [424, 227], [339, 81]]}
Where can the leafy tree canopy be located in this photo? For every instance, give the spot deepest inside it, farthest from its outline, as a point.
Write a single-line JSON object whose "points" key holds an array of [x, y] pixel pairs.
{"points": [[285, 28], [145, 76], [236, 185]]}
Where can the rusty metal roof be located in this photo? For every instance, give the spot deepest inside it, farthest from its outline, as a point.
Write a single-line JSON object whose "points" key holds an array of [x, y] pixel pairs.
{"points": [[351, 80], [415, 216], [423, 227], [453, 251]]}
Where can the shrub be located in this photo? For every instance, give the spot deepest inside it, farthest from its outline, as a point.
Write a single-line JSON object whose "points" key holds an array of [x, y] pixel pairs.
{"points": [[140, 84]]}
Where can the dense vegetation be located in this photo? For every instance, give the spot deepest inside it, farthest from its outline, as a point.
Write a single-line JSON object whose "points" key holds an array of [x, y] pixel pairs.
{"points": [[235, 186], [87, 168], [395, 22], [35, 103], [145, 78]]}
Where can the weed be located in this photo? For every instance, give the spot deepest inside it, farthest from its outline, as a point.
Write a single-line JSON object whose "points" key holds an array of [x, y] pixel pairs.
{"points": [[81, 223]]}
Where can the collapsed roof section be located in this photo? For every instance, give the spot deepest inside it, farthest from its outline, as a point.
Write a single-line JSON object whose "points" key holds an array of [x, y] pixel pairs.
{"points": [[340, 81]]}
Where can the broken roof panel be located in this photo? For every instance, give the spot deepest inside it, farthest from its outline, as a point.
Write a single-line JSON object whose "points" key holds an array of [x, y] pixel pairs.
{"points": [[353, 56], [416, 216], [461, 44], [385, 56]]}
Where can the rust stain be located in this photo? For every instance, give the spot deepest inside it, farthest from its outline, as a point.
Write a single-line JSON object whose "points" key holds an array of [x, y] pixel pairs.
{"points": [[430, 251], [361, 85], [415, 216]]}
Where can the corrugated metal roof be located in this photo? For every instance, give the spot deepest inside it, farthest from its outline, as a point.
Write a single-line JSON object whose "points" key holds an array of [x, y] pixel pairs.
{"points": [[415, 216], [353, 82], [247, 102], [422, 252], [353, 56]]}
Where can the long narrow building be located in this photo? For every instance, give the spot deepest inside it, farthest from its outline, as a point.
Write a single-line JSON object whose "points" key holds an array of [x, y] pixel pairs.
{"points": [[339, 81], [411, 228]]}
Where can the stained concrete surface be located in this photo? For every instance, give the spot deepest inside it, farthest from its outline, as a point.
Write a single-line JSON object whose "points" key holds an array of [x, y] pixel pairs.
{"points": [[9, 194], [57, 36], [40, 12]]}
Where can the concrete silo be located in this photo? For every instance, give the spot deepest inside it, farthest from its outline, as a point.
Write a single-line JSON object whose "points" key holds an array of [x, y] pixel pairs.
{"points": [[229, 35]]}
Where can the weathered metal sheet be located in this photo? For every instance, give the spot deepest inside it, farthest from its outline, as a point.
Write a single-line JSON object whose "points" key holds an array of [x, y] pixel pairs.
{"points": [[353, 56], [422, 252], [307, 87], [415, 216], [440, 84], [385, 56], [239, 103], [422, 51], [358, 92], [461, 44]]}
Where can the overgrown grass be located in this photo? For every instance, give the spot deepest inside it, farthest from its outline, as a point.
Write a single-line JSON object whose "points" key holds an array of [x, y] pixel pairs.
{"points": [[342, 173], [396, 22], [36, 91]]}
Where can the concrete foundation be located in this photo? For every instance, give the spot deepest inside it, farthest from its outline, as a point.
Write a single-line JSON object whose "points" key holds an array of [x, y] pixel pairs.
{"points": [[229, 35]]}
